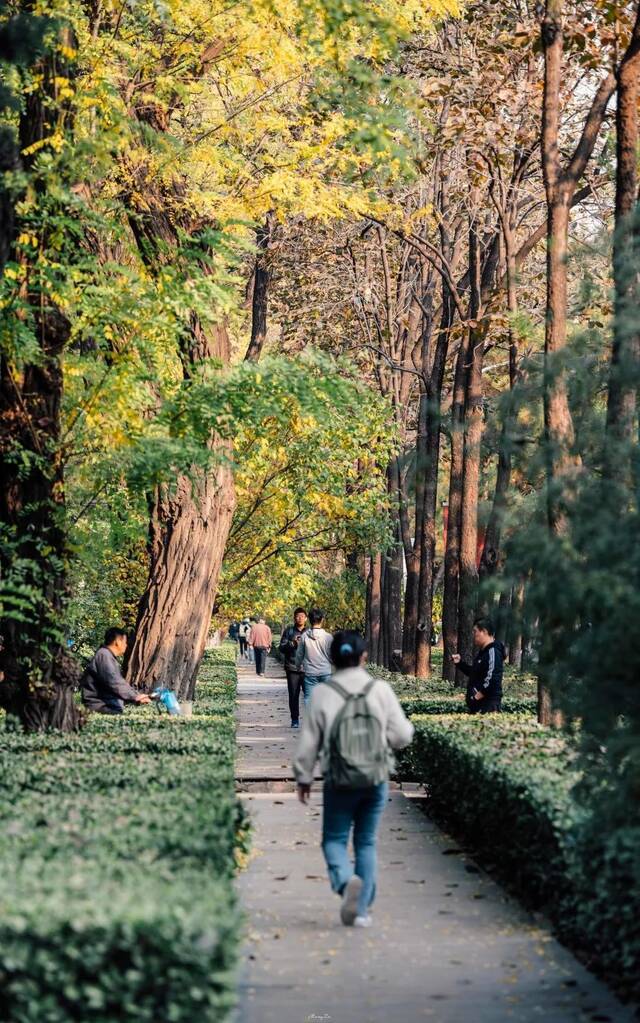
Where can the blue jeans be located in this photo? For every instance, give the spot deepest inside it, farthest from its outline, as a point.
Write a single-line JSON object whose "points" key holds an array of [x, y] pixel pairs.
{"points": [[309, 682], [361, 808]]}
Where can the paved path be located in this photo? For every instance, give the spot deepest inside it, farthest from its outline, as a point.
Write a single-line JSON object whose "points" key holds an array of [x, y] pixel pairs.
{"points": [[447, 945]]}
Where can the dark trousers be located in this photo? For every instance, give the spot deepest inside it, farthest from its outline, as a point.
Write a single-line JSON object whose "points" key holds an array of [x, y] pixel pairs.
{"points": [[261, 659], [242, 640], [294, 685], [492, 706], [113, 706]]}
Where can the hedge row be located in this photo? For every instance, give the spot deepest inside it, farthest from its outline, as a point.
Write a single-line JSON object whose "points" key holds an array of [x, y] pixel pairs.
{"points": [[504, 786], [117, 853], [436, 696]]}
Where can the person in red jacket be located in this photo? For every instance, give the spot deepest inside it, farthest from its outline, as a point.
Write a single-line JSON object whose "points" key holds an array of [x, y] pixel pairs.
{"points": [[260, 638]]}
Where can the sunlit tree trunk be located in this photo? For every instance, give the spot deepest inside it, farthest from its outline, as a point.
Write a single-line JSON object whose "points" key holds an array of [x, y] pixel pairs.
{"points": [[189, 526]]}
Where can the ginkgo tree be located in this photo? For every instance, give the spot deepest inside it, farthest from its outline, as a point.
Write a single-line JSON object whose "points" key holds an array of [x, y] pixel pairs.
{"points": [[150, 140]]}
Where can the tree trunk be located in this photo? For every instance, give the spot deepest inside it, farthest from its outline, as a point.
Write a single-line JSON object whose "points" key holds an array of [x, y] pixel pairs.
{"points": [[392, 596], [372, 630], [188, 531], [559, 433], [261, 281], [38, 675], [430, 461], [515, 626], [625, 355], [474, 417], [452, 553]]}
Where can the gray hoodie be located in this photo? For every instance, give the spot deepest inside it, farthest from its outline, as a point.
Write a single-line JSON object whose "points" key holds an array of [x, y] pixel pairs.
{"points": [[313, 653]]}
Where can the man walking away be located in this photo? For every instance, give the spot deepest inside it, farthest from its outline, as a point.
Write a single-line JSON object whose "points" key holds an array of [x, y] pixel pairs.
{"points": [[352, 722], [288, 646], [243, 632], [484, 688], [104, 689], [260, 639], [313, 655]]}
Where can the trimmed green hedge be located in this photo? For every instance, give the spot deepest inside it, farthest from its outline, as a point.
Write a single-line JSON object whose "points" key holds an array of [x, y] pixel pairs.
{"points": [[117, 854], [505, 786], [436, 696]]}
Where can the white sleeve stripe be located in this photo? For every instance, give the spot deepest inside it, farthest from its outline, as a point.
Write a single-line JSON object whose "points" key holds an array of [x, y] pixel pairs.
{"points": [[492, 664]]}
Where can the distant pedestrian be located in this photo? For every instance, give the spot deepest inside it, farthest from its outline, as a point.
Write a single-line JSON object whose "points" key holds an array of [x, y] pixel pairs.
{"points": [[260, 638], [104, 689], [250, 652], [289, 641], [352, 723], [313, 656], [484, 688], [243, 634]]}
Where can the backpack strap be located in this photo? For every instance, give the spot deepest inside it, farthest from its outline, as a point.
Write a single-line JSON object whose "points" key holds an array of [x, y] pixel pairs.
{"points": [[347, 695], [339, 689]]}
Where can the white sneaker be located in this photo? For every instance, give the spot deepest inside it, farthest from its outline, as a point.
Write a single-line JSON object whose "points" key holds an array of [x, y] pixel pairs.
{"points": [[362, 921], [350, 896]]}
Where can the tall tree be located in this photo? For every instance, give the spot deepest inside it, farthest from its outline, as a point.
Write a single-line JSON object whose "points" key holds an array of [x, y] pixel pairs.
{"points": [[561, 179], [38, 674], [625, 356]]}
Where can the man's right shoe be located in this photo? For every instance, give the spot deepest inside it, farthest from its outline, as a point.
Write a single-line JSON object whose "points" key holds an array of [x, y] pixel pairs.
{"points": [[350, 896], [295, 724]]}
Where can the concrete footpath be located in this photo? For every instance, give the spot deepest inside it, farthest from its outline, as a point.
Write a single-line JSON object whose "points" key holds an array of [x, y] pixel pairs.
{"points": [[447, 944]]}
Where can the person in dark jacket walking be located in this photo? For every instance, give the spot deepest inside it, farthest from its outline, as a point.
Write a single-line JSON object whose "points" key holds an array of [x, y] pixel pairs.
{"points": [[484, 688], [104, 689], [288, 647]]}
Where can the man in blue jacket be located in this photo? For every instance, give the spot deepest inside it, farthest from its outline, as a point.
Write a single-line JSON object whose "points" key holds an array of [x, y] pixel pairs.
{"points": [[484, 688]]}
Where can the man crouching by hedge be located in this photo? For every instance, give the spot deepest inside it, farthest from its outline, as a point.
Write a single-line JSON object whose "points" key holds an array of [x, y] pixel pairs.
{"points": [[484, 688], [104, 689]]}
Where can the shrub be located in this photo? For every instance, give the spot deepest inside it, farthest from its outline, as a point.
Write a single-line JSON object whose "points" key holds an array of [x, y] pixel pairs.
{"points": [[506, 787], [117, 854], [436, 696]]}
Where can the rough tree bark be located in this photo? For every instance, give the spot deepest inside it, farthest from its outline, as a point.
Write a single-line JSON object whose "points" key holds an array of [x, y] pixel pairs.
{"points": [[188, 530]]}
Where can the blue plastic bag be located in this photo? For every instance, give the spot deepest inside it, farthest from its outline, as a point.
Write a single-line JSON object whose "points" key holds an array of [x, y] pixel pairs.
{"points": [[168, 699]]}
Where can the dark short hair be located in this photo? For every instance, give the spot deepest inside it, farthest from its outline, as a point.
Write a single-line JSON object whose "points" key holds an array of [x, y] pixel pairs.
{"points": [[112, 634], [485, 624], [300, 611], [316, 615], [347, 648]]}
